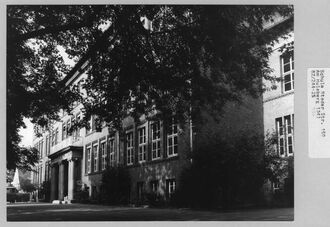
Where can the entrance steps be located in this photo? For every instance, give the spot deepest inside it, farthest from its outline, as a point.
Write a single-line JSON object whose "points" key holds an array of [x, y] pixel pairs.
{"points": [[65, 201]]}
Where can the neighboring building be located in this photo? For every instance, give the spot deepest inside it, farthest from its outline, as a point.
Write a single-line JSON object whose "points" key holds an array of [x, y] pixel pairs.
{"points": [[278, 100], [154, 154]]}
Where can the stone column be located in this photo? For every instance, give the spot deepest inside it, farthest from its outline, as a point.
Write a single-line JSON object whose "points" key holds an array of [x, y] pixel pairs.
{"points": [[61, 181], [71, 179], [53, 183]]}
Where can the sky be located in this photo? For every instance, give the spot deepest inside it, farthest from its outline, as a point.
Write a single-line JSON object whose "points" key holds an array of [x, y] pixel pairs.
{"points": [[27, 133]]}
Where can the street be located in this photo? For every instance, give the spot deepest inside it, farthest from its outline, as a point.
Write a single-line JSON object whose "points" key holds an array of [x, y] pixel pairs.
{"points": [[88, 212]]}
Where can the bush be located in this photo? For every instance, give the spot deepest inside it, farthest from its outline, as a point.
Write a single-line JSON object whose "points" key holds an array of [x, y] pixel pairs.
{"points": [[155, 200], [18, 197], [224, 173], [82, 196], [115, 187], [26, 185], [45, 190]]}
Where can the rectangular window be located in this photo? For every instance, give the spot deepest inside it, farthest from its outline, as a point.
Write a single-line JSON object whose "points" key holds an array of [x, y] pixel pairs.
{"points": [[288, 71], [284, 129], [47, 145], [40, 175], [46, 171], [41, 148], [89, 157], [89, 130], [289, 133], [142, 144], [155, 140], [68, 123], [64, 132], [56, 136], [112, 151], [154, 186], [172, 139], [53, 137], [96, 157], [170, 186], [77, 130], [140, 190], [129, 148], [104, 155], [280, 134]]}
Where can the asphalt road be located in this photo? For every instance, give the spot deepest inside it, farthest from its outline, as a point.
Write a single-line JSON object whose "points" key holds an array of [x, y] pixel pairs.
{"points": [[88, 212]]}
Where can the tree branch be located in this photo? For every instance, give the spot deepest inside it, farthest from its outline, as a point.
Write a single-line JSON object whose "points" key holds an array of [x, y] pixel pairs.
{"points": [[49, 30]]}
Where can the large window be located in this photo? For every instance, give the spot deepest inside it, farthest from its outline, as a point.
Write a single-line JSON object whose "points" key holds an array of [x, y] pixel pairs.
{"points": [[129, 148], [142, 144], [40, 175], [288, 71], [41, 145], [172, 138], [154, 185], [89, 157], [68, 125], [96, 158], [112, 151], [56, 136], [289, 133], [104, 155], [284, 129], [76, 132], [170, 187], [89, 130], [155, 140], [140, 190], [47, 145], [53, 137], [64, 132]]}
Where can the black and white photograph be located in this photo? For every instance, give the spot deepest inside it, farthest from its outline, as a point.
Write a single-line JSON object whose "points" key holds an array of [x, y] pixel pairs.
{"points": [[144, 112]]}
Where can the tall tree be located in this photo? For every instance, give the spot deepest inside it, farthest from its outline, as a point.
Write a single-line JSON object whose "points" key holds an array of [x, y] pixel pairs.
{"points": [[187, 58]]}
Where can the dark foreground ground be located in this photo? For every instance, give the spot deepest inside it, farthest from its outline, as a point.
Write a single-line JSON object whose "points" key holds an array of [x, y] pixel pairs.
{"points": [[88, 212]]}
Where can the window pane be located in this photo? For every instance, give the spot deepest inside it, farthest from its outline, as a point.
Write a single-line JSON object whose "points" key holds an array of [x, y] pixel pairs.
{"points": [[175, 140], [287, 78], [286, 68], [287, 87], [286, 59]]}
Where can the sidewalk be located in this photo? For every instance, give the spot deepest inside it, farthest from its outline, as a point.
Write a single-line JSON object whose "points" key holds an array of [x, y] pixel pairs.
{"points": [[89, 212]]}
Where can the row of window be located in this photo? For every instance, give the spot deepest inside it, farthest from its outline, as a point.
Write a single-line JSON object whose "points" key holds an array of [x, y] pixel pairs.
{"points": [[39, 146], [284, 130], [100, 150], [93, 151], [53, 137], [154, 188], [38, 174], [171, 142]]}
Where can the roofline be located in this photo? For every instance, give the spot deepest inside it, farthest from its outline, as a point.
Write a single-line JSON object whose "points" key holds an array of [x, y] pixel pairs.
{"points": [[71, 76]]}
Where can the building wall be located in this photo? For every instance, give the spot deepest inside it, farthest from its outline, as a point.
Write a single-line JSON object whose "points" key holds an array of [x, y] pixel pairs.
{"points": [[277, 102], [254, 114], [237, 118]]}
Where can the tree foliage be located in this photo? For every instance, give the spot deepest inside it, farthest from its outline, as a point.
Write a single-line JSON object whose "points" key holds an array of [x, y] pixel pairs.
{"points": [[194, 57], [224, 173], [115, 187], [26, 185], [231, 173]]}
